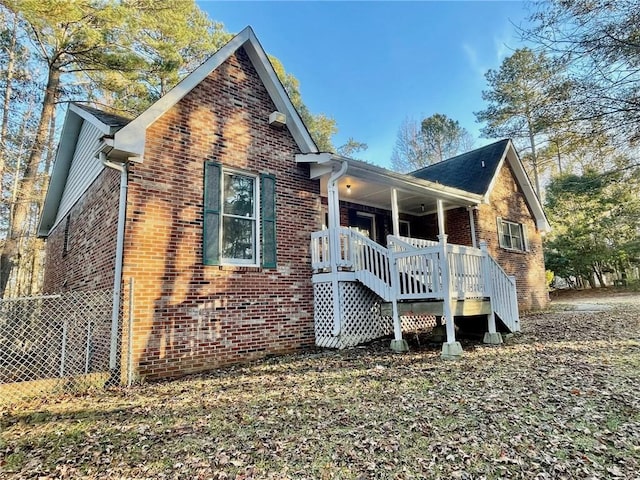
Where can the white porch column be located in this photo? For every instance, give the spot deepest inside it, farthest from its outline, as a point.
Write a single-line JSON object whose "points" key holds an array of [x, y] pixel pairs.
{"points": [[395, 220], [333, 201], [491, 337], [441, 219], [451, 350], [398, 344], [472, 225]]}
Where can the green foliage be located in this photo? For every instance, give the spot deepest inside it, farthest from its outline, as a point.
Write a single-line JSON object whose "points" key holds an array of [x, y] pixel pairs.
{"points": [[444, 137], [526, 97], [549, 276], [596, 220], [170, 40], [436, 138], [351, 147], [599, 42], [320, 126]]}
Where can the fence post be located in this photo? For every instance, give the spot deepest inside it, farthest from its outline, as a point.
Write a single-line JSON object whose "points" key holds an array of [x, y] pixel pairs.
{"points": [[87, 356], [130, 336], [63, 352], [492, 336]]}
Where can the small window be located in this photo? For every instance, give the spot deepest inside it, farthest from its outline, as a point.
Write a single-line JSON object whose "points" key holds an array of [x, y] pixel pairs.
{"points": [[512, 235], [67, 226]]}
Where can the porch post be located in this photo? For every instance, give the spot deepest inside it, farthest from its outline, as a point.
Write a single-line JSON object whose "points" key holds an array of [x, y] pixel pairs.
{"points": [[472, 225], [333, 201], [451, 350], [491, 337], [398, 344], [394, 212], [441, 219]]}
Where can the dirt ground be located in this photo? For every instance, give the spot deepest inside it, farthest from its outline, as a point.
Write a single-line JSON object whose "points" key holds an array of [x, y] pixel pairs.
{"points": [[560, 400], [593, 299]]}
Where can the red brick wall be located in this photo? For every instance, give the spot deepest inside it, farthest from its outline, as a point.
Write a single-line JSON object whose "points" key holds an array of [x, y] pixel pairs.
{"points": [[457, 226], [189, 317], [88, 263], [508, 202]]}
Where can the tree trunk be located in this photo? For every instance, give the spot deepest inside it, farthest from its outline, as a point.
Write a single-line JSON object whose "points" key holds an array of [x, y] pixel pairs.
{"points": [[534, 160], [7, 101], [18, 222], [37, 263], [599, 276]]}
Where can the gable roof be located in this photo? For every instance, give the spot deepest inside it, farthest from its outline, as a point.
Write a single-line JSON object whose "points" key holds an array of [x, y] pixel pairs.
{"points": [[109, 119], [476, 172], [76, 119], [124, 139], [471, 171], [130, 140]]}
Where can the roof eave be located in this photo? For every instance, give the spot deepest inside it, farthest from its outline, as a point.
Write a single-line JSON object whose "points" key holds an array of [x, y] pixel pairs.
{"points": [[527, 188], [380, 175]]}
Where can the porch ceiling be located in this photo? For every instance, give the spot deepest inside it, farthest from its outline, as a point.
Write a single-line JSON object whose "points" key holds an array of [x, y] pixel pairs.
{"points": [[372, 185]]}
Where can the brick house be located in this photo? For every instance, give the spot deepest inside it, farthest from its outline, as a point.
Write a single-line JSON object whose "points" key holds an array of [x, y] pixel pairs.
{"points": [[213, 201]]}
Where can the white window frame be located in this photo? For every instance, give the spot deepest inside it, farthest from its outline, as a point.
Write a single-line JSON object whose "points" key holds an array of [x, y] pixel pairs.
{"points": [[255, 262], [523, 241], [374, 234]]}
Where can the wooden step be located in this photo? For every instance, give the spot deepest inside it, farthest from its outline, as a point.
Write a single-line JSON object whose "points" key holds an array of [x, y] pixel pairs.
{"points": [[460, 308]]}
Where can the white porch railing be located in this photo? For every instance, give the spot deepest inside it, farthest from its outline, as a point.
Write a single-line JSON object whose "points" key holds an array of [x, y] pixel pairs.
{"points": [[465, 266], [503, 295], [400, 244], [371, 264], [412, 269]]}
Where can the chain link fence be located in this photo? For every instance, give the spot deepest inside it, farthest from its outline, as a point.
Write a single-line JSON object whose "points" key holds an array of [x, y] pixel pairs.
{"points": [[54, 343]]}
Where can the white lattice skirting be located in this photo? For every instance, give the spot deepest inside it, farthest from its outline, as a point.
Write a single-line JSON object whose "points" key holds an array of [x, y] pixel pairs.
{"points": [[361, 319]]}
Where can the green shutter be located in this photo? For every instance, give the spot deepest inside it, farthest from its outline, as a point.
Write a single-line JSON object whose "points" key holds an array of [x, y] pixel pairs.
{"points": [[268, 211], [211, 229]]}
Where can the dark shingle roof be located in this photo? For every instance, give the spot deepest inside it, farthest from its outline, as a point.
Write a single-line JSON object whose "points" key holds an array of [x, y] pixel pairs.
{"points": [[472, 171], [109, 119]]}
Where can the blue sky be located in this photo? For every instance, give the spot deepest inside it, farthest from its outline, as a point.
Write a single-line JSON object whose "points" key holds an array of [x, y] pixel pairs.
{"points": [[370, 65]]}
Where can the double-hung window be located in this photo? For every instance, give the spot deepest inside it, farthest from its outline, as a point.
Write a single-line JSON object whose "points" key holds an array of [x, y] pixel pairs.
{"points": [[512, 236], [239, 218]]}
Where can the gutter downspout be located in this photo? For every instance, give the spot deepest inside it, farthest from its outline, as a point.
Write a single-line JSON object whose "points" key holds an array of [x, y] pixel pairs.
{"points": [[334, 242], [117, 277]]}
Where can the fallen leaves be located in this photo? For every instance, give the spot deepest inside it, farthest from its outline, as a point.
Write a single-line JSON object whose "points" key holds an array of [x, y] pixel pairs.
{"points": [[560, 400]]}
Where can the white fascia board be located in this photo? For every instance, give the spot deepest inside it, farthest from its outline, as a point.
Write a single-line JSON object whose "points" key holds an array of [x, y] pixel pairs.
{"points": [[511, 155], [319, 158], [407, 182], [64, 155], [86, 116], [280, 98], [131, 138], [375, 174], [319, 170], [496, 172]]}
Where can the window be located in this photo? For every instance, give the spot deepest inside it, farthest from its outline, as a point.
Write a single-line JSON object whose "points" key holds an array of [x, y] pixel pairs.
{"points": [[512, 235], [232, 228]]}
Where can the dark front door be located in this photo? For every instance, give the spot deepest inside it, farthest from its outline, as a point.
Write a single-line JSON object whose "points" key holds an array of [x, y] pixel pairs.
{"points": [[365, 223]]}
